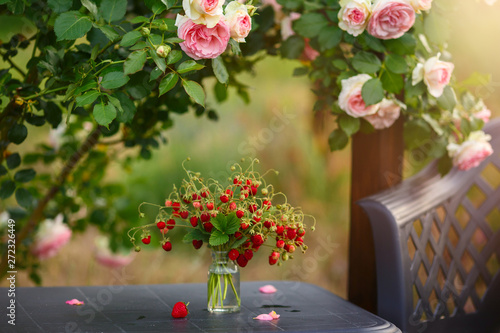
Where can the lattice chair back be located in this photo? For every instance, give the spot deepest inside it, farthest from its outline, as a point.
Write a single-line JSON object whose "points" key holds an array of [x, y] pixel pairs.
{"points": [[437, 243]]}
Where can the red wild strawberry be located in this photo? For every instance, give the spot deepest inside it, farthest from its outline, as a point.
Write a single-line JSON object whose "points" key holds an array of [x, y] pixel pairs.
{"points": [[256, 219], [280, 229], [249, 182], [291, 248], [301, 232], [267, 224], [224, 198], [275, 255], [196, 204], [184, 214], [244, 226], [197, 243], [266, 204], [147, 240], [205, 193], [252, 208], [161, 225], [238, 235], [168, 203], [210, 205], [240, 214], [242, 261], [236, 181], [186, 200], [208, 227], [205, 217], [299, 241], [176, 214], [248, 254], [280, 244], [232, 206], [167, 246], [257, 240], [170, 224], [255, 247], [254, 190], [180, 310], [194, 221], [176, 206], [233, 254], [272, 261], [291, 233], [196, 197], [247, 244], [214, 213], [229, 193], [287, 247]]}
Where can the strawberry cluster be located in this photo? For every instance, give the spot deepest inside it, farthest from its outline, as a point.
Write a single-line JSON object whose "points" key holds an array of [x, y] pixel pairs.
{"points": [[240, 217]]}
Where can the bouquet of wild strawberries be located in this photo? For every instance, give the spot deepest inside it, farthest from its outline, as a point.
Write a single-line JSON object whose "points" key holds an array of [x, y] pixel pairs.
{"points": [[238, 218]]}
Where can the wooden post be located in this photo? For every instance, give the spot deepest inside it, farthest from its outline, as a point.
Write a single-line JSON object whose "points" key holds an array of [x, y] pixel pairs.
{"points": [[377, 163]]}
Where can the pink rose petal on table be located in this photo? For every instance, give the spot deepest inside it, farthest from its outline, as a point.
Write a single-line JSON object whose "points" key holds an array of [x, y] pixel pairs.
{"points": [[264, 316], [74, 301], [274, 314], [268, 289]]}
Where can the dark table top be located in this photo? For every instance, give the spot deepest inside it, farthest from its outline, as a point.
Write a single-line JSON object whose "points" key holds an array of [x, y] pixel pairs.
{"points": [[303, 308]]}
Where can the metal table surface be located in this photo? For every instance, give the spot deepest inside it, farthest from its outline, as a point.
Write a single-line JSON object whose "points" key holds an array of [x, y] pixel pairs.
{"points": [[146, 308]]}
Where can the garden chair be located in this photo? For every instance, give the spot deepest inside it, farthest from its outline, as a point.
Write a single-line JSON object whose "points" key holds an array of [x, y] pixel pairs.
{"points": [[437, 248]]}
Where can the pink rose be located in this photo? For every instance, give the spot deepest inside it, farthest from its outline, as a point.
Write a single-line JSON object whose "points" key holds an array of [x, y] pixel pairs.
{"points": [[435, 73], [471, 152], [353, 15], [391, 19], [419, 5], [207, 12], [50, 237], [350, 99], [276, 7], [484, 113], [386, 115], [238, 20], [309, 54], [200, 41], [286, 25], [106, 257]]}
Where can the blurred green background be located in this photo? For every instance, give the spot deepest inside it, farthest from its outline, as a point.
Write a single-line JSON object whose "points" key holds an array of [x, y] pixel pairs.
{"points": [[279, 128]]}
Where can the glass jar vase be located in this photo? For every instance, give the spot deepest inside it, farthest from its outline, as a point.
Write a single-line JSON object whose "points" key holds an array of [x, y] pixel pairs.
{"points": [[223, 284]]}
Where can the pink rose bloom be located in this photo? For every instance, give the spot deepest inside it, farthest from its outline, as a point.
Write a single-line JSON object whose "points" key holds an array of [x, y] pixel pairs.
{"points": [[106, 257], [484, 113], [286, 25], [471, 152], [276, 6], [353, 15], [238, 20], [350, 99], [207, 12], [50, 237], [420, 5], [309, 54], [435, 73], [200, 41], [391, 19], [386, 115]]}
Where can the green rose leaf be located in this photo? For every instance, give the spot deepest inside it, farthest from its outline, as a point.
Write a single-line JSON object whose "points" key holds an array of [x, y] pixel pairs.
{"points": [[310, 25], [220, 70], [88, 98], [218, 238], [396, 63], [349, 124], [448, 100], [24, 198], [174, 56], [416, 133], [194, 90], [17, 133], [72, 25], [189, 65], [134, 62], [372, 92], [91, 6], [3, 170], [160, 62], [13, 161], [25, 175], [338, 140], [404, 45], [109, 32], [114, 80], [365, 62], [130, 38], [292, 47], [168, 82], [7, 188], [128, 107], [155, 73], [115, 102], [113, 10], [330, 37], [104, 114], [59, 6], [391, 82]]}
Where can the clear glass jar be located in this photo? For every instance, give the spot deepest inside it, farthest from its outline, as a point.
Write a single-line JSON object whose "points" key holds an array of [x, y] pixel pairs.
{"points": [[223, 284]]}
